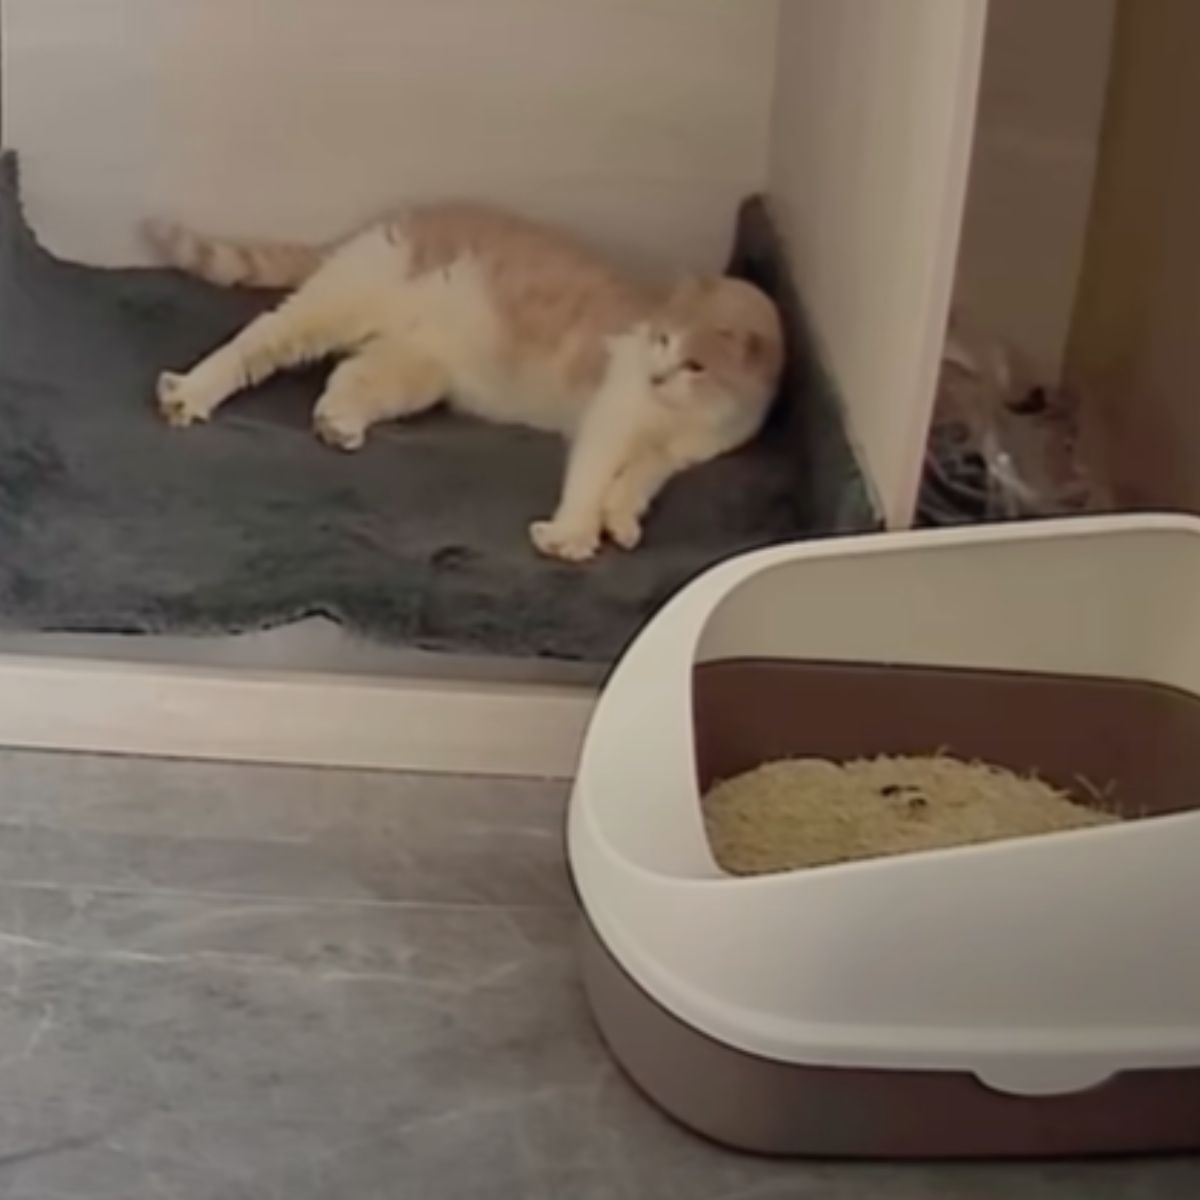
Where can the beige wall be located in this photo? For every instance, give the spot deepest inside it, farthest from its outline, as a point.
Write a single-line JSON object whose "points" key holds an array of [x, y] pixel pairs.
{"points": [[642, 122], [1135, 346], [1040, 107], [874, 111]]}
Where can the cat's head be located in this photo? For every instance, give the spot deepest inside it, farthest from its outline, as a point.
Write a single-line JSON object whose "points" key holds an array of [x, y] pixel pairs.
{"points": [[715, 338]]}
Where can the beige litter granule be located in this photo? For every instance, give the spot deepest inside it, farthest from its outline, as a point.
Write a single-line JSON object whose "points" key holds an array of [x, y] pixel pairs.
{"points": [[811, 812]]}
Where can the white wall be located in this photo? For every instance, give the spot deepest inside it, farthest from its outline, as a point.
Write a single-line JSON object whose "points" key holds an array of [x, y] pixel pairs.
{"points": [[642, 122], [1041, 102], [873, 120]]}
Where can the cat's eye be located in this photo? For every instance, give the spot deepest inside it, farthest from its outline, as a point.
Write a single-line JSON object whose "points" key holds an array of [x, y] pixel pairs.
{"points": [[693, 367]]}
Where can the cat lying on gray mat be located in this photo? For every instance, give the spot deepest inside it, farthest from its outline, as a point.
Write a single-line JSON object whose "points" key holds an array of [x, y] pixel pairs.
{"points": [[508, 320]]}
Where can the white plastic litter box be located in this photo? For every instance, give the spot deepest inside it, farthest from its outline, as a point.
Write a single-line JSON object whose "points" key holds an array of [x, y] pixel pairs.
{"points": [[1037, 996]]}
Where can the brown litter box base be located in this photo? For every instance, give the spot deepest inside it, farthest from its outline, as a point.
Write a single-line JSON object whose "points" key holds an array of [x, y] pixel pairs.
{"points": [[767, 1107]]}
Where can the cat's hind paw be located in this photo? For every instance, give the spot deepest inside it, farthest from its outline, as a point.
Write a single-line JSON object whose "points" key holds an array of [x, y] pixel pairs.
{"points": [[178, 404], [564, 542]]}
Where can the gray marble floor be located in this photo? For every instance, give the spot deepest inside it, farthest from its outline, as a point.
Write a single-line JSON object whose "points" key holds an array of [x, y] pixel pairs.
{"points": [[237, 983]]}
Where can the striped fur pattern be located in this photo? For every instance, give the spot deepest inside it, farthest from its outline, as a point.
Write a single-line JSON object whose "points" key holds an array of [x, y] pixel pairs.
{"points": [[507, 320], [230, 263]]}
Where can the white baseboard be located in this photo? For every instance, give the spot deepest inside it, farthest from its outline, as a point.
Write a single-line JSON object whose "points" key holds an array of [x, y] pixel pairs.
{"points": [[321, 718]]}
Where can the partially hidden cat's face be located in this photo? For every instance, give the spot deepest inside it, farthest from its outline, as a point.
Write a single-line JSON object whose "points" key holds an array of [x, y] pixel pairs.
{"points": [[715, 339]]}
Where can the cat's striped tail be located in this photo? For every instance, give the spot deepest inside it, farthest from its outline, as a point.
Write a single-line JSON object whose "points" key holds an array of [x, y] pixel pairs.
{"points": [[230, 263]]}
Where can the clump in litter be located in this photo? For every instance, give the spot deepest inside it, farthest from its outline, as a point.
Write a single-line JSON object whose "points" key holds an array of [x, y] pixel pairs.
{"points": [[813, 812]]}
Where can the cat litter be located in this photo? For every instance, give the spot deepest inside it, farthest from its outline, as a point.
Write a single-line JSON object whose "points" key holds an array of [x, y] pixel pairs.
{"points": [[813, 812]]}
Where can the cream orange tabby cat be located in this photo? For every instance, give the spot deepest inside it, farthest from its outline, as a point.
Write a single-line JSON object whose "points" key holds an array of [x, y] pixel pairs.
{"points": [[511, 321]]}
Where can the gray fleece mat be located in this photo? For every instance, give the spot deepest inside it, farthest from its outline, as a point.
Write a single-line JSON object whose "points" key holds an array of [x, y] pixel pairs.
{"points": [[110, 521]]}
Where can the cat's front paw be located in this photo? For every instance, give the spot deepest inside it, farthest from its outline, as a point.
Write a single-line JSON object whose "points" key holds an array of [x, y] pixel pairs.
{"points": [[178, 402], [566, 542], [339, 431]]}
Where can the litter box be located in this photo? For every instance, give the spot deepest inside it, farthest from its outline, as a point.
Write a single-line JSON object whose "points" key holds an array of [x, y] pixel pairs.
{"points": [[1032, 997]]}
